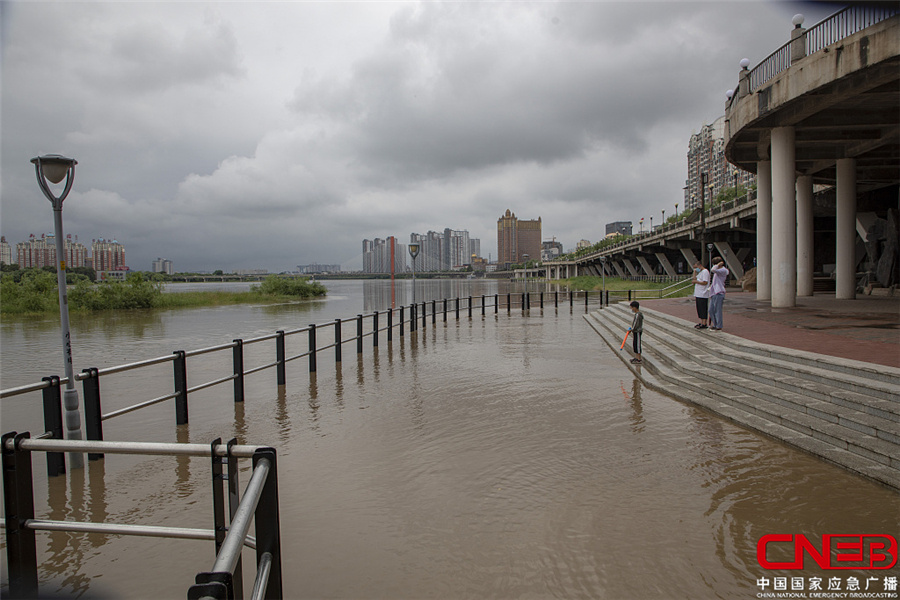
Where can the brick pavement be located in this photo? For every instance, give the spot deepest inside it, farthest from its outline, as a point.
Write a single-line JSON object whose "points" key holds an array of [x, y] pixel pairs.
{"points": [[865, 329]]}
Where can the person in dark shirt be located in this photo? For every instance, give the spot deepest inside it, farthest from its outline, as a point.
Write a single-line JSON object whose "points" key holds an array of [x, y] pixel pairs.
{"points": [[636, 329]]}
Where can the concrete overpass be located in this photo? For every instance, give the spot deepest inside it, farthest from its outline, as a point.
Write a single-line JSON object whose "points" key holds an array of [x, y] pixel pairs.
{"points": [[824, 109], [669, 250]]}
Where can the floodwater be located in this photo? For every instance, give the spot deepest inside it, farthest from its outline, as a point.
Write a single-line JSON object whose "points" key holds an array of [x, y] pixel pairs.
{"points": [[508, 455]]}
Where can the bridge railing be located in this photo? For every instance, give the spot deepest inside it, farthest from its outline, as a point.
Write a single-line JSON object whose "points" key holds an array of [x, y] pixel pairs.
{"points": [[258, 507], [838, 26], [374, 326]]}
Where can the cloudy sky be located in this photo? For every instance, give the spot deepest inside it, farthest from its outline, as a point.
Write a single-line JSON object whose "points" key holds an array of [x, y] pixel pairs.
{"points": [[240, 135]]}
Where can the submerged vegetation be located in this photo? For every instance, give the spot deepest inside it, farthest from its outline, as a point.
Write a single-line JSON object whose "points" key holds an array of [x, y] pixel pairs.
{"points": [[34, 291], [617, 284]]}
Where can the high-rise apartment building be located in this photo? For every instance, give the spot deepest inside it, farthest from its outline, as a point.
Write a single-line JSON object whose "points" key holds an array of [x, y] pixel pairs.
{"points": [[516, 238], [108, 255], [618, 228], [41, 252], [707, 167], [5, 251], [377, 255], [163, 265]]}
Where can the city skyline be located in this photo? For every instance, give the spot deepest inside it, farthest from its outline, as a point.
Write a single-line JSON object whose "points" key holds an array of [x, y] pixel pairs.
{"points": [[240, 136]]}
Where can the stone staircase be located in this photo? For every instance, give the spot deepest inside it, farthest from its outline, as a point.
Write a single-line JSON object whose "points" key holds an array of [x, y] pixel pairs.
{"points": [[846, 412]]}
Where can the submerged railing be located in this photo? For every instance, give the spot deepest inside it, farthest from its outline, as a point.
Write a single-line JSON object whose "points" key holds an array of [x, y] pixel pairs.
{"points": [[371, 326], [258, 507]]}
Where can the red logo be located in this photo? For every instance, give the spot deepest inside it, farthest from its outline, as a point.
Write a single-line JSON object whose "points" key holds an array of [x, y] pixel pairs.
{"points": [[851, 551]]}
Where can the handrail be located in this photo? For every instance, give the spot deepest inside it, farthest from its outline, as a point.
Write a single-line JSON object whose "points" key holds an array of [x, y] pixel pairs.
{"points": [[258, 505], [830, 30]]}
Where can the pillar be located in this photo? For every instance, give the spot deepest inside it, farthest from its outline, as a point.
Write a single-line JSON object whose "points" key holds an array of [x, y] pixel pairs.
{"points": [[845, 257], [805, 265], [764, 230], [784, 219]]}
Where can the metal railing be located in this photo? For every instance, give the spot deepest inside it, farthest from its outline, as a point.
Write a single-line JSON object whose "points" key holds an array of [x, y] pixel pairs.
{"points": [[838, 26], [409, 317], [258, 506]]}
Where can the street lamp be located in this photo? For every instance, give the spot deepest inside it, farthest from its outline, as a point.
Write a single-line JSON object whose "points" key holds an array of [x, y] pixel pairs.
{"points": [[55, 167], [676, 212], [414, 252], [525, 262], [641, 223], [663, 216]]}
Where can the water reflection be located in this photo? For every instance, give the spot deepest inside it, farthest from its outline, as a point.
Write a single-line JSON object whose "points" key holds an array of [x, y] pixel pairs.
{"points": [[637, 414]]}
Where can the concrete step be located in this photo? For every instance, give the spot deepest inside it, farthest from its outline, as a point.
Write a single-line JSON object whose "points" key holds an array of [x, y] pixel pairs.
{"points": [[854, 439], [780, 368]]}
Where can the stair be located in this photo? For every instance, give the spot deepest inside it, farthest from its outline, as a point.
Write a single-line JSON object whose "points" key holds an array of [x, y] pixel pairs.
{"points": [[846, 412]]}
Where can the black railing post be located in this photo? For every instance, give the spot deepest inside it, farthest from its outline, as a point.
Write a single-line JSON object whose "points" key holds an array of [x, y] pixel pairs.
{"points": [[496, 303], [482, 305], [234, 500], [470, 307], [390, 325], [281, 375], [542, 300], [433, 312], [312, 347], [556, 299], [457, 308], [586, 294], [413, 318], [571, 298], [93, 417], [267, 521], [445, 310], [359, 334], [401, 321], [220, 528], [53, 422], [337, 340], [629, 295], [237, 356], [181, 388], [523, 301], [424, 315], [18, 496], [508, 302], [375, 329]]}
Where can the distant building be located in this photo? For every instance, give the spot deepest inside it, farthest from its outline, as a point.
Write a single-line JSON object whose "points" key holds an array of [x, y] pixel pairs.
{"points": [[551, 250], [516, 238], [5, 251], [377, 255], [707, 166], [163, 265], [618, 227], [583, 244], [41, 252], [316, 268], [108, 255], [251, 272]]}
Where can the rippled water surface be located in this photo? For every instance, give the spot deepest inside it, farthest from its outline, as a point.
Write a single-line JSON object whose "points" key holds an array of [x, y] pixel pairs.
{"points": [[508, 456]]}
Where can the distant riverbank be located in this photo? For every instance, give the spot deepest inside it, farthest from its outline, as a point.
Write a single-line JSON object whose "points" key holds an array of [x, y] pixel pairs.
{"points": [[35, 292]]}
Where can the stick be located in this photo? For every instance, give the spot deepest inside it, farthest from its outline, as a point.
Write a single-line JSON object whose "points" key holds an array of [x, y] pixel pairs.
{"points": [[624, 340]]}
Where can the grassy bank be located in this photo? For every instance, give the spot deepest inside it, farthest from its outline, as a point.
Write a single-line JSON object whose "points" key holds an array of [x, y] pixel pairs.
{"points": [[34, 292], [616, 284]]}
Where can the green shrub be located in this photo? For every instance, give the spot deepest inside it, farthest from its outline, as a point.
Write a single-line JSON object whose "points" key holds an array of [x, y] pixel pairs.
{"points": [[282, 286]]}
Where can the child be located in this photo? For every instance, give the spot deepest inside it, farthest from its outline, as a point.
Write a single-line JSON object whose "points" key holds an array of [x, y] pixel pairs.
{"points": [[636, 329]]}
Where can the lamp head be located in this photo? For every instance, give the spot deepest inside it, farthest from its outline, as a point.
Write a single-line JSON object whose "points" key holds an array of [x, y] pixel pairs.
{"points": [[797, 20], [414, 250], [54, 166], [729, 94], [745, 63]]}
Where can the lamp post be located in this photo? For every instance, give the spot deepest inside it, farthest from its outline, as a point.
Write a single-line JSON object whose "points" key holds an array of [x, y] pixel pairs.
{"points": [[641, 223], [703, 218], [676, 212], [54, 167], [414, 252], [525, 262], [663, 217]]}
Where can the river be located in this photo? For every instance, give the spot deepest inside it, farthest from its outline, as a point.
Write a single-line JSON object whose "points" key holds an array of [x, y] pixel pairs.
{"points": [[508, 455]]}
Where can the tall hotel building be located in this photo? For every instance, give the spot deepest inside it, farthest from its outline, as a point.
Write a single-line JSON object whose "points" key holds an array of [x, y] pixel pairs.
{"points": [[516, 238], [706, 163], [41, 252]]}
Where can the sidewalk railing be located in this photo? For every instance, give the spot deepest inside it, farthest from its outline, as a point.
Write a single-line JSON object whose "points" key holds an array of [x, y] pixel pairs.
{"points": [[258, 507]]}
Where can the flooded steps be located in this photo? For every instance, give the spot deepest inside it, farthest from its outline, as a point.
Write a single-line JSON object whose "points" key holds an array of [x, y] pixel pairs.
{"points": [[818, 403]]}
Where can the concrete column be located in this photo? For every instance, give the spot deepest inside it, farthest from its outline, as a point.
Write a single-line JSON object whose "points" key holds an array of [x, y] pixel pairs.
{"points": [[805, 266], [764, 230], [666, 265], [845, 259], [645, 264], [784, 219]]}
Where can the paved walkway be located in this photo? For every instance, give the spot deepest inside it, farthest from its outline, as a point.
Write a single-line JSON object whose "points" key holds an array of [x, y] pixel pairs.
{"points": [[865, 329]]}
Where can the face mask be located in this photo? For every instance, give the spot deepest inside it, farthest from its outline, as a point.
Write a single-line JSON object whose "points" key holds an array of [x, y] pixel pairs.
{"points": [[696, 270]]}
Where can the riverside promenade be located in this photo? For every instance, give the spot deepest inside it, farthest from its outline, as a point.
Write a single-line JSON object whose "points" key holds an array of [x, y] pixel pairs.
{"points": [[865, 329], [822, 376]]}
